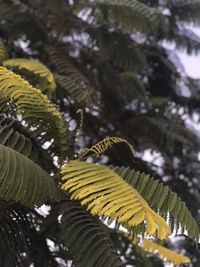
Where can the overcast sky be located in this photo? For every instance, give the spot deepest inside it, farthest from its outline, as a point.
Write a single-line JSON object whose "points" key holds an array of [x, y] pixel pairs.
{"points": [[191, 63]]}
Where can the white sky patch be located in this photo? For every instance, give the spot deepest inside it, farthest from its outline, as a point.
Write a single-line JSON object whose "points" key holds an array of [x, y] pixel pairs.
{"points": [[51, 244], [43, 210], [194, 125], [175, 59], [191, 63], [153, 156], [196, 30], [183, 90]]}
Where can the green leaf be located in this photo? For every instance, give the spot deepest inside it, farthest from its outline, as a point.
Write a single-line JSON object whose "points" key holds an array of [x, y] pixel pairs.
{"points": [[24, 181], [43, 77], [161, 199], [129, 15], [70, 78], [106, 194], [86, 237], [18, 97]]}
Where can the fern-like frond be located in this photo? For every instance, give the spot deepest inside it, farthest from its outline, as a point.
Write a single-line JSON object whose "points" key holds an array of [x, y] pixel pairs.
{"points": [[128, 246], [129, 15], [132, 87], [8, 12], [118, 49], [16, 140], [21, 238], [13, 227], [157, 132], [3, 52], [162, 199], [164, 253], [43, 77], [17, 96], [186, 11], [106, 194], [73, 88], [85, 237], [70, 78], [19, 138], [24, 181], [103, 145], [186, 39]]}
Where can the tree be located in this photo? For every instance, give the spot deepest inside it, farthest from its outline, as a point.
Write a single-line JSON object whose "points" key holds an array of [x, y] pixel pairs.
{"points": [[106, 60]]}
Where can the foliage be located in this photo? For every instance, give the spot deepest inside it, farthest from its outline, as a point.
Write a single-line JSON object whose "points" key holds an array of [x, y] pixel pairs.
{"points": [[43, 75], [78, 87], [103, 145], [3, 52], [165, 253], [35, 108], [127, 15], [109, 59], [108, 195], [86, 237], [20, 176], [162, 199]]}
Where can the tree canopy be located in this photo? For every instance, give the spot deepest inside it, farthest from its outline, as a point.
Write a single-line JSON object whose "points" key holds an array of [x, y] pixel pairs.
{"points": [[85, 82]]}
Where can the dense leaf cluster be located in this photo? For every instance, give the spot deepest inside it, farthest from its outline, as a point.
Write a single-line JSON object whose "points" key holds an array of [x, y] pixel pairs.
{"points": [[113, 60]]}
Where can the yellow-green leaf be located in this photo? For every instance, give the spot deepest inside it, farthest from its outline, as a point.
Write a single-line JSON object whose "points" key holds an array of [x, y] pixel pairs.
{"points": [[3, 52], [18, 97], [106, 194], [44, 76], [164, 253]]}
